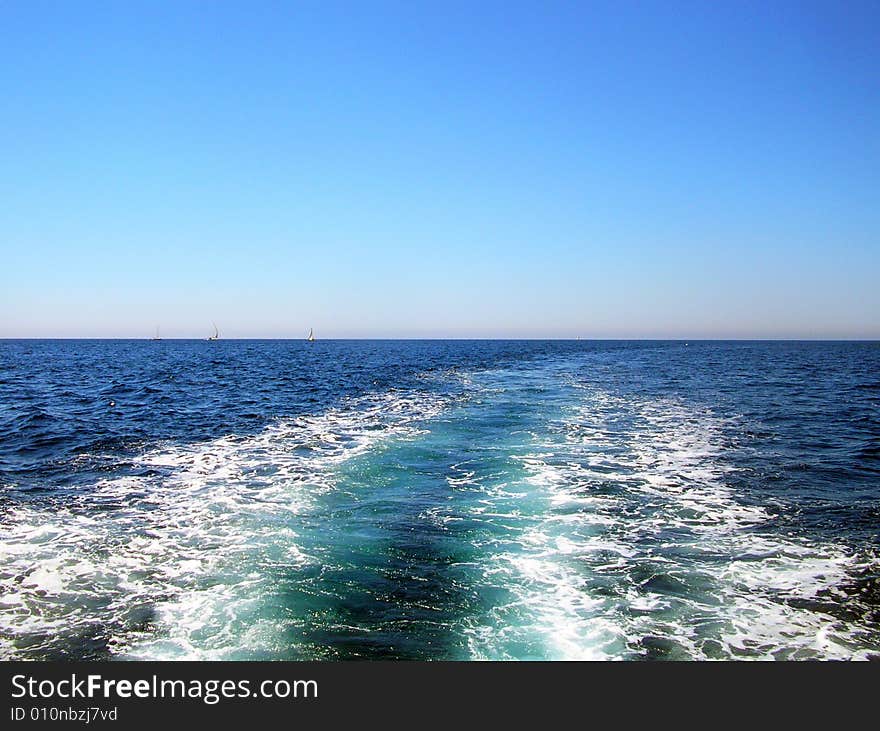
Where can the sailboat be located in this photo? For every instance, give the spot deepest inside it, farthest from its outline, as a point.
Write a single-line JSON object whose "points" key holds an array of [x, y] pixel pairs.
{"points": [[157, 336], [311, 337], [216, 335]]}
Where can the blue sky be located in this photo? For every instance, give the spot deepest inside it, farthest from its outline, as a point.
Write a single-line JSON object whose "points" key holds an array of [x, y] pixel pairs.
{"points": [[440, 169]]}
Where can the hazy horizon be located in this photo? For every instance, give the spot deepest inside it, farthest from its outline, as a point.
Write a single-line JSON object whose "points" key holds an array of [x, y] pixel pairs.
{"points": [[543, 170], [367, 338]]}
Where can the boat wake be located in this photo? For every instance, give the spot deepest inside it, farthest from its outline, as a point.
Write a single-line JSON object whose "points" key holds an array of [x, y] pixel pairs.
{"points": [[529, 515]]}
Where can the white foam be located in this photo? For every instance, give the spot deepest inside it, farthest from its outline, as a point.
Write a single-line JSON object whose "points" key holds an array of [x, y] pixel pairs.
{"points": [[743, 586], [184, 545]]}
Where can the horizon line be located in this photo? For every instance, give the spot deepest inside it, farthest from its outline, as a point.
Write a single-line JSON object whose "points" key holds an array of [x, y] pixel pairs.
{"points": [[863, 339]]}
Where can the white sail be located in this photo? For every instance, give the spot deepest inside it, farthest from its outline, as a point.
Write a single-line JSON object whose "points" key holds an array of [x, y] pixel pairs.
{"points": [[311, 337]]}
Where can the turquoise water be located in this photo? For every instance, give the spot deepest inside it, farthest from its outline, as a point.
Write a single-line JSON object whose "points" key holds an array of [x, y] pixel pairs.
{"points": [[440, 501]]}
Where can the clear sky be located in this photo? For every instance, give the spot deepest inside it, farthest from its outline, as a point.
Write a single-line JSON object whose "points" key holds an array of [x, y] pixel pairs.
{"points": [[417, 169]]}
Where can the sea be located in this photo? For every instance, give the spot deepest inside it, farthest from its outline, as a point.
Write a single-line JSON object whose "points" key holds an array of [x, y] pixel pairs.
{"points": [[439, 500]]}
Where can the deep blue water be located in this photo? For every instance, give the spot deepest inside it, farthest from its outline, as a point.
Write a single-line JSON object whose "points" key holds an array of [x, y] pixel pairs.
{"points": [[439, 499]]}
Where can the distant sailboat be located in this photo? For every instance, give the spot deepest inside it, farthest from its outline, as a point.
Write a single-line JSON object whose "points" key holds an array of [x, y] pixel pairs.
{"points": [[216, 335], [311, 337], [157, 336]]}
